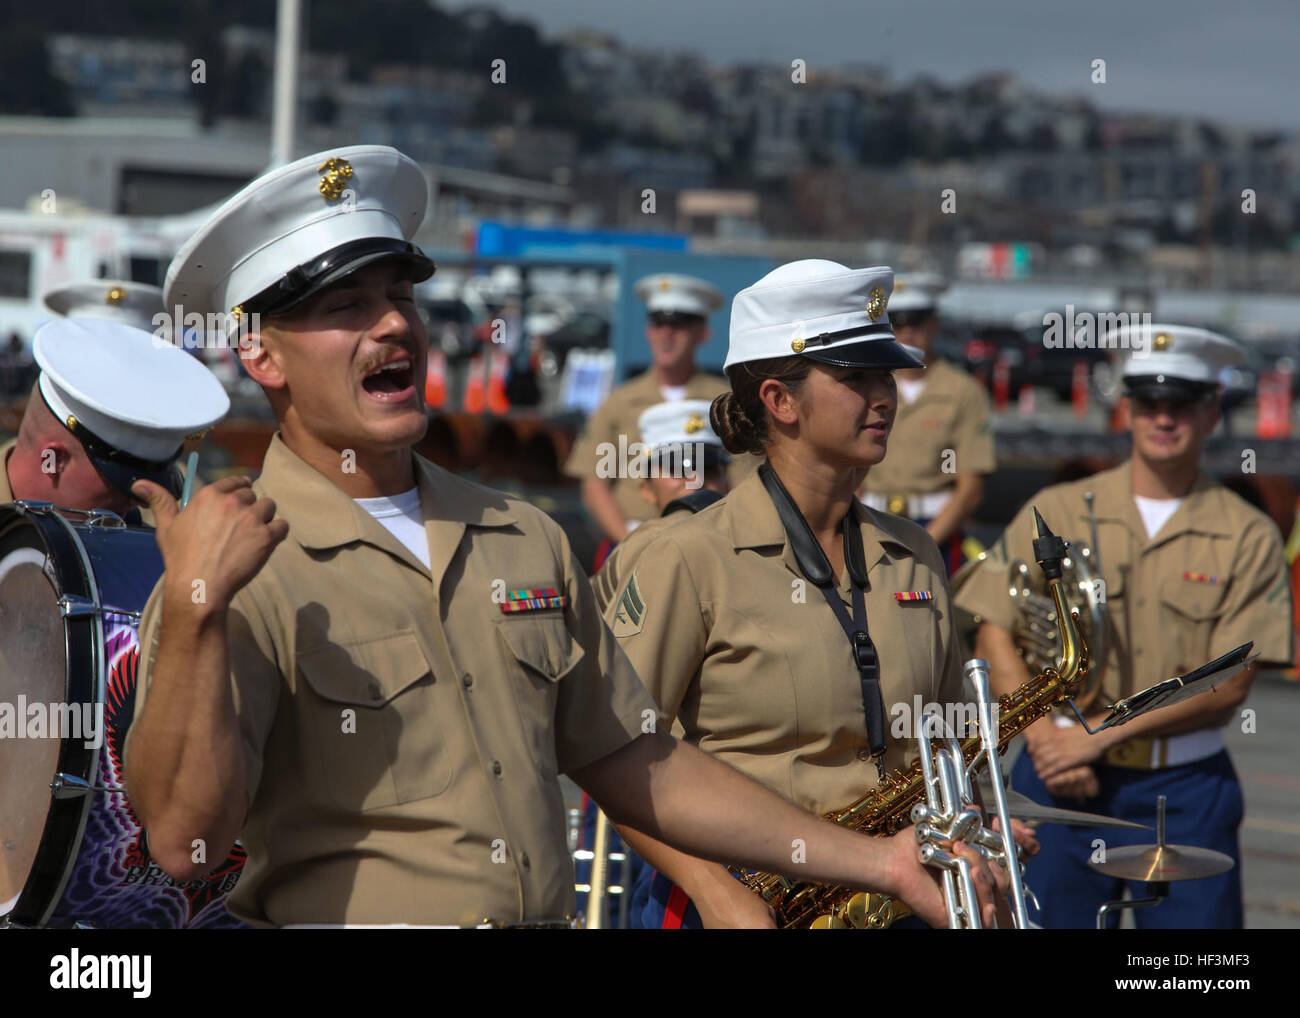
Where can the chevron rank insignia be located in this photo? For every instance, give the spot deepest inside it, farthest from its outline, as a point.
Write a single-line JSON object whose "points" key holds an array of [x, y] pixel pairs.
{"points": [[1200, 578], [913, 595], [530, 600], [629, 616]]}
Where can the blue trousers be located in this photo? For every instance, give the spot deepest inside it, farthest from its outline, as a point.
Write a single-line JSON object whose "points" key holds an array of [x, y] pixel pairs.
{"points": [[1203, 809]]}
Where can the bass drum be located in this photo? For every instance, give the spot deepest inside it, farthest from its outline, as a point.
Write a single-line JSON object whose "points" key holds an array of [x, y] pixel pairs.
{"points": [[72, 853]]}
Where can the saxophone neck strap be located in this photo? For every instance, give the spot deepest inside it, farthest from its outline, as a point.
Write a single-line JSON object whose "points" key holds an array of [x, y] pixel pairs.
{"points": [[816, 568]]}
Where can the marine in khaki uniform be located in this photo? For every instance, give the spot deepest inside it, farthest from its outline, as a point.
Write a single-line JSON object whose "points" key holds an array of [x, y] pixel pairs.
{"points": [[373, 669], [676, 327], [690, 473], [110, 406], [726, 624], [1190, 571], [944, 425]]}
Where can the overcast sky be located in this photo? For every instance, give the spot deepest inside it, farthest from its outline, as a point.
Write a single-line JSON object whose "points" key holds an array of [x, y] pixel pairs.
{"points": [[1232, 60]]}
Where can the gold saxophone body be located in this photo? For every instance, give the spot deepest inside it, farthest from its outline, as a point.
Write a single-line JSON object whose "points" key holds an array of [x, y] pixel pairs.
{"points": [[887, 808]]}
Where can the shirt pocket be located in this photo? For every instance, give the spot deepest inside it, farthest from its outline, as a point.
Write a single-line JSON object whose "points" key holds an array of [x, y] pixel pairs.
{"points": [[917, 669], [1190, 610], [541, 655], [369, 723]]}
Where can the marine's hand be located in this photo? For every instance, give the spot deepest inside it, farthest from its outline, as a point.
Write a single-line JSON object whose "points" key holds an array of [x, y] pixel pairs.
{"points": [[1056, 750], [1076, 783], [919, 885], [222, 538]]}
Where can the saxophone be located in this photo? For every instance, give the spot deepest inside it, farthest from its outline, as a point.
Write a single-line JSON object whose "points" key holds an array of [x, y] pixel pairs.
{"points": [[887, 808]]}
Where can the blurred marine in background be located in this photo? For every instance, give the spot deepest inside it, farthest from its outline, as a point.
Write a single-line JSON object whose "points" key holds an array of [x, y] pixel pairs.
{"points": [[690, 473], [1190, 571], [942, 443], [678, 308]]}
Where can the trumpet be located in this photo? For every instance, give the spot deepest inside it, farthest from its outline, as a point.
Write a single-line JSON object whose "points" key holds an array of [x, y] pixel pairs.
{"points": [[950, 814]]}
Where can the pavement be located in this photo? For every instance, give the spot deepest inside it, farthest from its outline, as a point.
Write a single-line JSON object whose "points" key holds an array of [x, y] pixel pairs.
{"points": [[1268, 763]]}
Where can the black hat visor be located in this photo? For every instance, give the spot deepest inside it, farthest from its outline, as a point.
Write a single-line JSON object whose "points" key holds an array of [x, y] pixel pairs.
{"points": [[310, 278], [875, 348], [1158, 387]]}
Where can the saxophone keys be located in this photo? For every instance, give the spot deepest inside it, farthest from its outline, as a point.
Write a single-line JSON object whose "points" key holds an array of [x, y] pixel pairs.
{"points": [[828, 922]]}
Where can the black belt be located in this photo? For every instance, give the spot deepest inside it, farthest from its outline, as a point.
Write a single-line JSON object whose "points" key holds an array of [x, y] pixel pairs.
{"points": [[817, 569]]}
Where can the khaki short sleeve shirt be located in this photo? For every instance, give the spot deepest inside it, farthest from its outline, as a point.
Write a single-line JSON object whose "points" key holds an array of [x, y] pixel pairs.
{"points": [[746, 654], [1213, 578], [404, 732], [951, 414]]}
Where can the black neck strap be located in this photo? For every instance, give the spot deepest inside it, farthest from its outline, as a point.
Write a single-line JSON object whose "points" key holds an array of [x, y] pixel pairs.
{"points": [[816, 568]]}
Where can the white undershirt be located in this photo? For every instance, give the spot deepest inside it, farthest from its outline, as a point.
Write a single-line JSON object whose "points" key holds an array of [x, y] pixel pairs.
{"points": [[1156, 512], [909, 388], [401, 516], [672, 393]]}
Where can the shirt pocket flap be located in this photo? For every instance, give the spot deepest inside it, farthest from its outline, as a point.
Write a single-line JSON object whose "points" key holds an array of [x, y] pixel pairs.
{"points": [[1193, 599], [365, 673], [542, 645]]}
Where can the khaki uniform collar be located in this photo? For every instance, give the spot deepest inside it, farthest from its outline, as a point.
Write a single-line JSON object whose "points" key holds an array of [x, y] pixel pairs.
{"points": [[756, 524], [322, 516], [1202, 509]]}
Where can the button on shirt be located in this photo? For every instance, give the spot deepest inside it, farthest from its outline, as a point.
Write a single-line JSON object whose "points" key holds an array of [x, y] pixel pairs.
{"points": [[1212, 578], [402, 734], [735, 644], [952, 412]]}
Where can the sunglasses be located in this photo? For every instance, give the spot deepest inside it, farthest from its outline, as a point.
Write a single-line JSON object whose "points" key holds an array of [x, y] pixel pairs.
{"points": [[679, 319], [1173, 406]]}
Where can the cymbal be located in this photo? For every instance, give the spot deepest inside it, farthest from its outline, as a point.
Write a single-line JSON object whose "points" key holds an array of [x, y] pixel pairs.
{"points": [[1024, 808], [1163, 862]]}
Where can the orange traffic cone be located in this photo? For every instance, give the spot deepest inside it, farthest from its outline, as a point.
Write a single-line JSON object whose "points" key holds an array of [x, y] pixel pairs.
{"points": [[435, 380], [1079, 389], [474, 386], [497, 402], [1001, 383]]}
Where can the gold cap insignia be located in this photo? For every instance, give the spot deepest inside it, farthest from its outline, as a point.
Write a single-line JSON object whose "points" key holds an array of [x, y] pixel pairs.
{"points": [[797, 345], [335, 173], [115, 296], [875, 303], [694, 423], [71, 422], [236, 311], [1163, 341], [665, 284], [897, 505]]}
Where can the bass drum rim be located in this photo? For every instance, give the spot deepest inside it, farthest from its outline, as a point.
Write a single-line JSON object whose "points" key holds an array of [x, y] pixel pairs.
{"points": [[83, 683]]}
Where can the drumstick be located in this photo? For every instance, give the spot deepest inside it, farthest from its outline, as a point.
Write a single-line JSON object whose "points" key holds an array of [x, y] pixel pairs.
{"points": [[191, 469]]}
